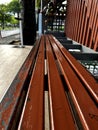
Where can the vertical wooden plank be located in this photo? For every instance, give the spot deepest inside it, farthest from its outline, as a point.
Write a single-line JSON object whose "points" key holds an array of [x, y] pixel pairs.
{"points": [[83, 22], [89, 29], [93, 22], [77, 18], [83, 28], [80, 20]]}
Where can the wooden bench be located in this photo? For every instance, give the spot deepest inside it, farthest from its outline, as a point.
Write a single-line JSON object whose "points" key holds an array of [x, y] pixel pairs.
{"points": [[59, 110], [73, 92]]}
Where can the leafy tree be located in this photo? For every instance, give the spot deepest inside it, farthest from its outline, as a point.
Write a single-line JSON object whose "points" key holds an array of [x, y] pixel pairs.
{"points": [[14, 7], [7, 11], [4, 15]]}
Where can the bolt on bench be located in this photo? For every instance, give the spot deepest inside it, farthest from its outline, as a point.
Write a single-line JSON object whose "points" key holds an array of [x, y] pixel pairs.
{"points": [[72, 91]]}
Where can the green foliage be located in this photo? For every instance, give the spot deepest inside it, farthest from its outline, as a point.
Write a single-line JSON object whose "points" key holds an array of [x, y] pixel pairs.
{"points": [[4, 15], [7, 12], [13, 20], [14, 7], [38, 3]]}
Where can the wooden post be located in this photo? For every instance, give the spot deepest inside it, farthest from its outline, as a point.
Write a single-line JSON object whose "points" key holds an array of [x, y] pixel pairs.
{"points": [[29, 23]]}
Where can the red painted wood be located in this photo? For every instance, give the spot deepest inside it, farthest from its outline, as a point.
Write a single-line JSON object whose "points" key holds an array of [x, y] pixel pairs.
{"points": [[33, 118], [60, 112], [87, 79], [81, 26], [78, 92]]}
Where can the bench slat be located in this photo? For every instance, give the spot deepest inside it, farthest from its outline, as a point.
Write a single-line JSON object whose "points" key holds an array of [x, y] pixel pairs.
{"points": [[86, 108], [61, 116], [86, 77], [33, 113]]}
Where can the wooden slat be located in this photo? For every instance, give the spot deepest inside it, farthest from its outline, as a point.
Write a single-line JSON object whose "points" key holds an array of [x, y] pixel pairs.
{"points": [[88, 21], [79, 12], [96, 44], [85, 106], [81, 24], [86, 77], [80, 20], [83, 21], [61, 117], [8, 106], [32, 117]]}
